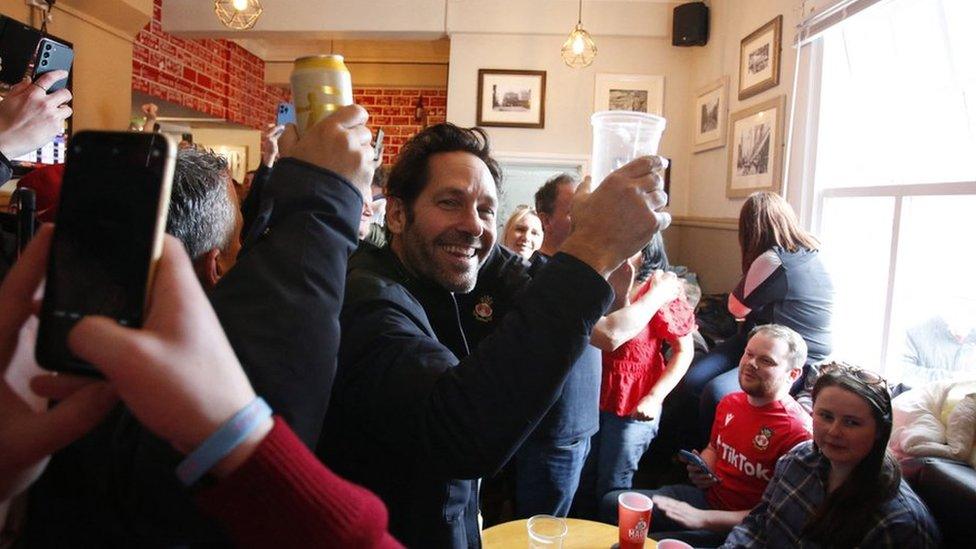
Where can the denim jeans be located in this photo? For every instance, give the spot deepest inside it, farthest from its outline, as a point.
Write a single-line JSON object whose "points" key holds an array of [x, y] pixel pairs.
{"points": [[662, 527], [615, 453], [547, 475]]}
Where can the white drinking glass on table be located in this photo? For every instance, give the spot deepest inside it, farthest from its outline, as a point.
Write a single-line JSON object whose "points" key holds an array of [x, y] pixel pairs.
{"points": [[546, 532]]}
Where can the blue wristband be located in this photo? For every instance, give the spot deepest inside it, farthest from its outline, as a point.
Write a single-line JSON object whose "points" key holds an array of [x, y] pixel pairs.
{"points": [[218, 445]]}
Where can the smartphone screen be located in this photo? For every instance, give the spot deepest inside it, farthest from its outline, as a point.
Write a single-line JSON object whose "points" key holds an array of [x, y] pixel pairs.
{"points": [[114, 201]]}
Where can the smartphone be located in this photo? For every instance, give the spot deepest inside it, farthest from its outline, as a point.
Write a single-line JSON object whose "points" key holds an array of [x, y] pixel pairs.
{"points": [[378, 145], [286, 114], [108, 238], [51, 56], [697, 461]]}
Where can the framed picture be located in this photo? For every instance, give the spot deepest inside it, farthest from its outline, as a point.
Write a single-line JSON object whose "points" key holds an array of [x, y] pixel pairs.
{"points": [[711, 115], [759, 59], [511, 99], [236, 157], [629, 92], [756, 151]]}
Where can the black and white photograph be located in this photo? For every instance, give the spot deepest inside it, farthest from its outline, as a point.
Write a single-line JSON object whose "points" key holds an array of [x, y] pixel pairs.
{"points": [[711, 113], [759, 59], [752, 151], [628, 100], [756, 148], [759, 55], [708, 117], [508, 99], [511, 98], [629, 92]]}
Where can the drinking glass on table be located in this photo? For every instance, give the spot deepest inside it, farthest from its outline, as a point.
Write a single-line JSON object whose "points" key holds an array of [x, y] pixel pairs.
{"points": [[546, 532]]}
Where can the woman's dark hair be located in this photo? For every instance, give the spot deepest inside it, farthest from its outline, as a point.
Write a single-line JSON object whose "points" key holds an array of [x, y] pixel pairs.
{"points": [[842, 519], [653, 257], [767, 220], [408, 176]]}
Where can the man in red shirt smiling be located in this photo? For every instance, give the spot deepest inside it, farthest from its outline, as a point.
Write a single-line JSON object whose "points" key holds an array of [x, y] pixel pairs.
{"points": [[752, 429]]}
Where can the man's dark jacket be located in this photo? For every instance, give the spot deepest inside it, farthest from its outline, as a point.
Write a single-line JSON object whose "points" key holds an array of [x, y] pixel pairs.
{"points": [[418, 426], [501, 280], [279, 306]]}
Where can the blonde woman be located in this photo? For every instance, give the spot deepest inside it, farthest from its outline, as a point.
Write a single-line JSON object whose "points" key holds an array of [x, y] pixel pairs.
{"points": [[523, 232]]}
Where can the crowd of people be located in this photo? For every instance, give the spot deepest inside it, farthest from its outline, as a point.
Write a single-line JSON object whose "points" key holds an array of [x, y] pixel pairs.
{"points": [[384, 371]]}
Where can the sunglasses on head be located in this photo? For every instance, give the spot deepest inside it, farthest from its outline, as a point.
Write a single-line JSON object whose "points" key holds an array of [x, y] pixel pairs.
{"points": [[866, 376]]}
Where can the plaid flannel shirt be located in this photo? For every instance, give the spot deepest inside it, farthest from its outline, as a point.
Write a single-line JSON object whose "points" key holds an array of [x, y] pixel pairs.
{"points": [[798, 488]]}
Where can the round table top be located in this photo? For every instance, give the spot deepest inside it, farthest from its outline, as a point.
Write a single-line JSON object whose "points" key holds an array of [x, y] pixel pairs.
{"points": [[582, 534]]}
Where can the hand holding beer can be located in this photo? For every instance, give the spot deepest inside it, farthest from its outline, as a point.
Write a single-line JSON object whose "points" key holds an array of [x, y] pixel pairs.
{"points": [[320, 84]]}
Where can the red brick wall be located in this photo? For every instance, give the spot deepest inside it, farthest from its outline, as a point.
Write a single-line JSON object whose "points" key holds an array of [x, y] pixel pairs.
{"points": [[394, 110], [223, 80], [215, 77]]}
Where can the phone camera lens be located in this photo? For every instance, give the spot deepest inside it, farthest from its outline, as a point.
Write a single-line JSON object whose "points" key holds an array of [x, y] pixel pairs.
{"points": [[44, 63], [48, 46], [46, 55]]}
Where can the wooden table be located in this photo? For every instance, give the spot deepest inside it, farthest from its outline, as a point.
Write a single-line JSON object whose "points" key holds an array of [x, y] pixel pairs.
{"points": [[582, 534]]}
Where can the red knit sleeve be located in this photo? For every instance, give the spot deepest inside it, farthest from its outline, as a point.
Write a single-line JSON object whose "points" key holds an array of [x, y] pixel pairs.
{"points": [[283, 496]]}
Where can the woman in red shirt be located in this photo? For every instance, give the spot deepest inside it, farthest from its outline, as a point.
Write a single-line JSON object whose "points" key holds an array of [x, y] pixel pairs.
{"points": [[651, 309]]}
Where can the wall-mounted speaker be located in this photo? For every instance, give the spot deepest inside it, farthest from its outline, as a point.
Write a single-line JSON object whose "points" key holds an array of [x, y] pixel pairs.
{"points": [[690, 25]]}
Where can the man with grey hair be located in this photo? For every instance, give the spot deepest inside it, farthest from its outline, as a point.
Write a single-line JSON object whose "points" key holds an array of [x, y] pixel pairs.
{"points": [[752, 429], [204, 213]]}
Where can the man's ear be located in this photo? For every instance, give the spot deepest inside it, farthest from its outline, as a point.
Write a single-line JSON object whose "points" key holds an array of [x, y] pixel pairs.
{"points": [[544, 218], [208, 269], [795, 373], [396, 215]]}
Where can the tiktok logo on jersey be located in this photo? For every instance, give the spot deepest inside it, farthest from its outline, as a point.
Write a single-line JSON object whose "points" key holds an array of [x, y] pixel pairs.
{"points": [[741, 462]]}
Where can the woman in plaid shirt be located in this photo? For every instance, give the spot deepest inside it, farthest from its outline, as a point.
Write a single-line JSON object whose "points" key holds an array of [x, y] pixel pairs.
{"points": [[842, 489]]}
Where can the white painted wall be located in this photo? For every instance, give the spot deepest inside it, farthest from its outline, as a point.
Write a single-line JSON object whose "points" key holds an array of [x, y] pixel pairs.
{"points": [[731, 21], [569, 92]]}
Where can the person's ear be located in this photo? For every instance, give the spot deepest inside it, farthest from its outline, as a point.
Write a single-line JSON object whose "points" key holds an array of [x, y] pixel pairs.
{"points": [[544, 219], [795, 373], [396, 215], [208, 269]]}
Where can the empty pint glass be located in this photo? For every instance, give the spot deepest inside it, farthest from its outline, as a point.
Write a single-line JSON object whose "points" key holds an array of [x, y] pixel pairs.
{"points": [[621, 136]]}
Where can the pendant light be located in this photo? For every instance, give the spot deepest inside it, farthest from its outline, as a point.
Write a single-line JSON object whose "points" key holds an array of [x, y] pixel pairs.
{"points": [[238, 14], [579, 50]]}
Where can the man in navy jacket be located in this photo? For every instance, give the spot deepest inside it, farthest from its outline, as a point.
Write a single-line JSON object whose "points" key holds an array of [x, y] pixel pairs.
{"points": [[408, 419]]}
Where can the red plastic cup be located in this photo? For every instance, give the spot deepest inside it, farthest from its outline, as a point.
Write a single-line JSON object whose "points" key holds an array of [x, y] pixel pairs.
{"points": [[634, 518]]}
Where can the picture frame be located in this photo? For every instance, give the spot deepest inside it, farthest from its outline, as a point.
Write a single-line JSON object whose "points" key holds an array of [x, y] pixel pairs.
{"points": [[629, 92], [759, 58], [756, 149], [511, 98], [236, 157], [711, 116]]}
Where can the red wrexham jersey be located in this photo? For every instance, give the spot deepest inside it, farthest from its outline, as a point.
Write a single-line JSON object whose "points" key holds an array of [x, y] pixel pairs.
{"points": [[747, 441]]}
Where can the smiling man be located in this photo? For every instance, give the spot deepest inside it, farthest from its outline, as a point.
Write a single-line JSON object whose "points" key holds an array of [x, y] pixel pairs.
{"points": [[418, 416], [752, 429]]}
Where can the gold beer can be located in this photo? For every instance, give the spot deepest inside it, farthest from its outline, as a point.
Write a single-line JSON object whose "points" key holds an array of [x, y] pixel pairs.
{"points": [[320, 84]]}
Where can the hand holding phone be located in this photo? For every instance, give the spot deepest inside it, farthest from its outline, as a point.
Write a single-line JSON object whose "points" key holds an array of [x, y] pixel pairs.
{"points": [[52, 56], [111, 217], [707, 477], [286, 114], [378, 145]]}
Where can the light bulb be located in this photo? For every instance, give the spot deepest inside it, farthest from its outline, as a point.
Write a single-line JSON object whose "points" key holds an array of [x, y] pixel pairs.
{"points": [[240, 5], [578, 45]]}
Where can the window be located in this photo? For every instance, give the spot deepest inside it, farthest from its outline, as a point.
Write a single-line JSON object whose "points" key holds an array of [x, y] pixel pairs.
{"points": [[892, 178]]}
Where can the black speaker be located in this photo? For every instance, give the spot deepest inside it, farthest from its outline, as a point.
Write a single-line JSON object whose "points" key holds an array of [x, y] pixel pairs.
{"points": [[17, 44], [690, 25]]}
